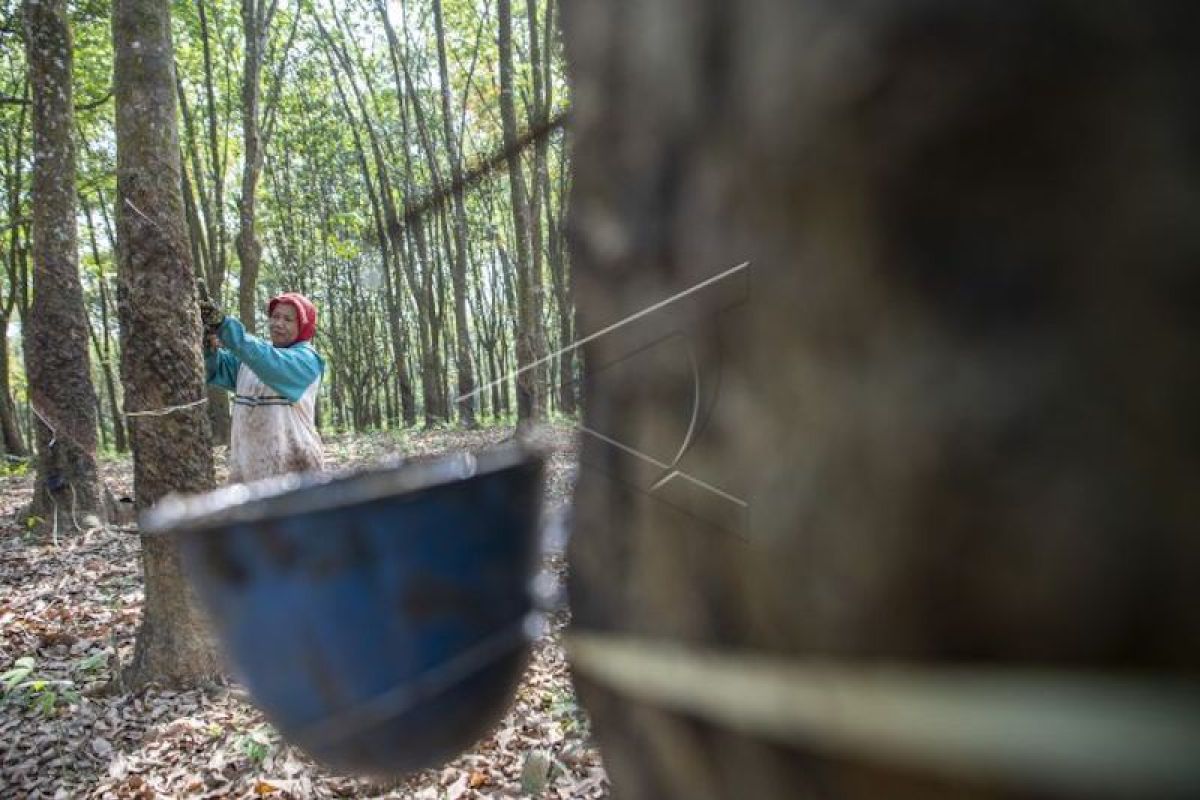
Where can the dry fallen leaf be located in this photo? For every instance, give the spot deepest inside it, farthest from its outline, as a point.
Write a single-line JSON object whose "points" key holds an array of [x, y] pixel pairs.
{"points": [[192, 743], [457, 789]]}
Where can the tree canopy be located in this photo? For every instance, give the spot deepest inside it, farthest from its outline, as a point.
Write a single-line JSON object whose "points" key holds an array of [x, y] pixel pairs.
{"points": [[360, 113]]}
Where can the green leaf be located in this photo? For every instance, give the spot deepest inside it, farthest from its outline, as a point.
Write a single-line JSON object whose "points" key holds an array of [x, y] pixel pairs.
{"points": [[45, 703], [21, 670], [93, 662]]}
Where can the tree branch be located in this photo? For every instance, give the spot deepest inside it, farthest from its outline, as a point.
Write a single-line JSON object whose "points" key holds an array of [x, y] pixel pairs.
{"points": [[9, 100], [94, 104]]}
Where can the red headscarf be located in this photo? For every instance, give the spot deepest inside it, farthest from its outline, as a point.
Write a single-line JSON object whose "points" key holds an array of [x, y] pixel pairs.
{"points": [[306, 313]]}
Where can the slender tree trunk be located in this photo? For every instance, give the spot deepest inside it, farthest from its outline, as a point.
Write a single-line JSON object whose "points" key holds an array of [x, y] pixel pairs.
{"points": [[249, 249], [200, 214], [14, 443], [564, 296], [104, 341], [218, 399], [527, 321], [160, 334], [256, 27], [458, 267], [217, 236], [538, 114], [408, 403], [383, 209], [56, 343], [414, 255]]}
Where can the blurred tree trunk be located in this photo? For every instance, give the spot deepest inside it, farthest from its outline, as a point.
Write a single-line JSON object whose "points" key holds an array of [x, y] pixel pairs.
{"points": [[956, 390], [160, 335], [56, 340]]}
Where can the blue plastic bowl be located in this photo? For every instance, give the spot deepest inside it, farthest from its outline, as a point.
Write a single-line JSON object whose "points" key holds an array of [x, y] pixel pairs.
{"points": [[378, 619]]}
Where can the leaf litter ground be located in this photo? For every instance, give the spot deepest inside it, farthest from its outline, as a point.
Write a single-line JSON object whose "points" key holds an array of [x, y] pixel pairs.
{"points": [[68, 616]]}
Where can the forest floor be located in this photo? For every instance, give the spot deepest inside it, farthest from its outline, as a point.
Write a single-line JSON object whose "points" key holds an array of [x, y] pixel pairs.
{"points": [[68, 616]]}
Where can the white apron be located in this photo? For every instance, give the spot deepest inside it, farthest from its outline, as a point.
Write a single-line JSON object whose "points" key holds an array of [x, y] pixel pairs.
{"points": [[270, 435]]}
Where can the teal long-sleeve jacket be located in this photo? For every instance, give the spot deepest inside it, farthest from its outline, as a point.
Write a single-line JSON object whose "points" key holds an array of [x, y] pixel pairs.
{"points": [[287, 370]]}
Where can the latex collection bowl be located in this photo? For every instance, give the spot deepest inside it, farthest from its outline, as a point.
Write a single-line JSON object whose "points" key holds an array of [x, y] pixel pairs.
{"points": [[378, 619]]}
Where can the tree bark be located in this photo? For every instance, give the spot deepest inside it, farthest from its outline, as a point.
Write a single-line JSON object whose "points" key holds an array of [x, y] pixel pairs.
{"points": [[249, 249], [383, 208], [416, 260], [104, 341], [217, 233], [458, 268], [564, 296], [56, 343], [14, 443], [257, 16], [538, 114], [219, 419], [957, 393], [527, 384], [160, 335]]}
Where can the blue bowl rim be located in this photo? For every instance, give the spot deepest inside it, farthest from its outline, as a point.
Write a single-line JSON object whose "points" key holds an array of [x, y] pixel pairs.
{"points": [[292, 495]]}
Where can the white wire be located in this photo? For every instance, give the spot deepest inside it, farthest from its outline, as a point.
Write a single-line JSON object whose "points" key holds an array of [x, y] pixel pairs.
{"points": [[54, 509], [162, 412], [46, 422]]}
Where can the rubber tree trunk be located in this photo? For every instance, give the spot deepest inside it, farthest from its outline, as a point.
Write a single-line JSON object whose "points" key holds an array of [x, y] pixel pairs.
{"points": [[458, 267], [528, 393], [56, 343], [954, 394], [14, 443], [161, 364], [249, 249], [104, 341]]}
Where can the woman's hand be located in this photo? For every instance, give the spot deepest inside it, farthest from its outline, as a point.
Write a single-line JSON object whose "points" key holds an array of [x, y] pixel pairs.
{"points": [[211, 315]]}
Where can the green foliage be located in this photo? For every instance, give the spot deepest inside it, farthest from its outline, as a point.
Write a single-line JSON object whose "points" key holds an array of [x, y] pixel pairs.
{"points": [[20, 684], [320, 205], [14, 468], [93, 663], [564, 708], [257, 744], [22, 668]]}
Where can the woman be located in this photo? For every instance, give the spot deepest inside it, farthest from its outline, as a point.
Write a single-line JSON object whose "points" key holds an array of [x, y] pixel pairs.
{"points": [[274, 384]]}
